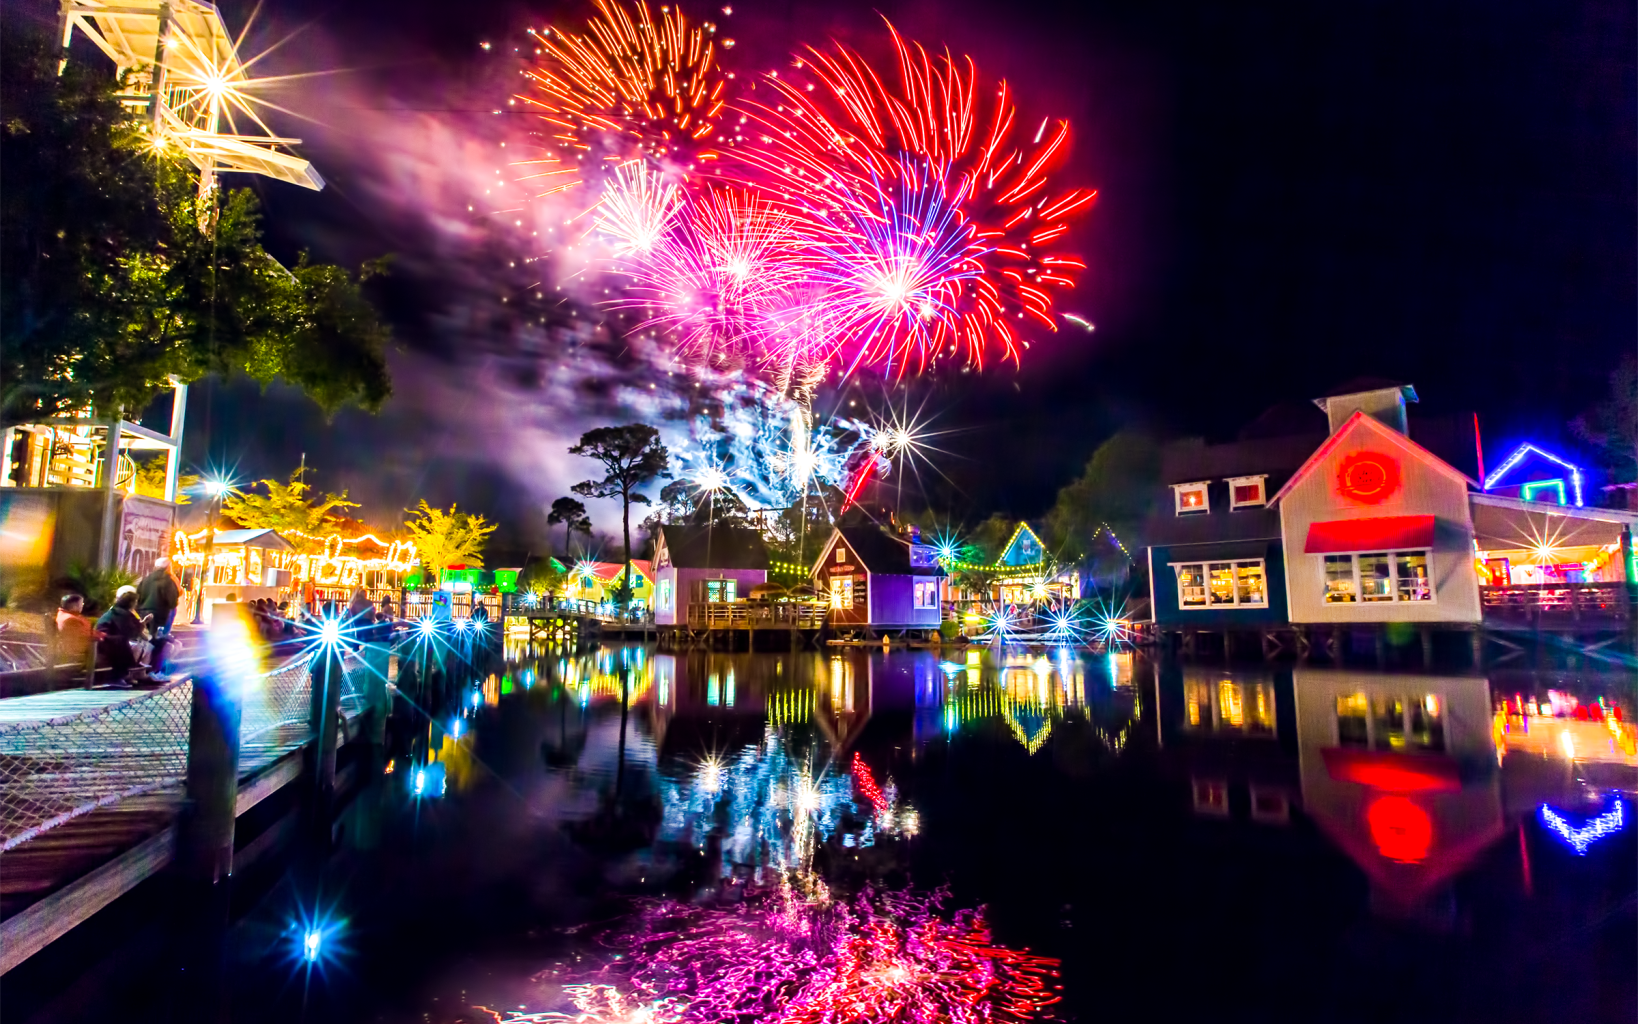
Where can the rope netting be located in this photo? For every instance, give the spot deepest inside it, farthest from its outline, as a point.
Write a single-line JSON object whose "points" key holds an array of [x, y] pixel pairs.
{"points": [[65, 754]]}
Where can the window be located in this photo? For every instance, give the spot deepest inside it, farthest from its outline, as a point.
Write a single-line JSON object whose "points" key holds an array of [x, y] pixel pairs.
{"points": [[841, 554], [1378, 576], [927, 595], [841, 592], [1390, 723], [1191, 587], [1247, 492], [665, 594], [719, 591], [1353, 725], [1240, 584], [1339, 579], [1410, 570], [1191, 498]]}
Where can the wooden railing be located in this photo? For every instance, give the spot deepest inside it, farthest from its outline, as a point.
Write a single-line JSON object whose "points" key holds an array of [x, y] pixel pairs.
{"points": [[756, 615], [1558, 603]]}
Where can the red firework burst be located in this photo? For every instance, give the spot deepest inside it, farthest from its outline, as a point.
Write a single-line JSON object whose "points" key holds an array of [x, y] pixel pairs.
{"points": [[931, 210]]}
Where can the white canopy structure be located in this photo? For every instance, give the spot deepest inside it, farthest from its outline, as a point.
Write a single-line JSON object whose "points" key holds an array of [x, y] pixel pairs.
{"points": [[186, 73]]}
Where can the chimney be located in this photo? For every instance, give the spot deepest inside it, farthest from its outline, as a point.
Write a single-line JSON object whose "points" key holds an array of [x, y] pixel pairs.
{"points": [[1386, 405]]}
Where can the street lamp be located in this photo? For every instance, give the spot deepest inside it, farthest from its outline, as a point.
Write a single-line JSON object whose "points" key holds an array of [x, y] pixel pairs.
{"points": [[217, 489]]}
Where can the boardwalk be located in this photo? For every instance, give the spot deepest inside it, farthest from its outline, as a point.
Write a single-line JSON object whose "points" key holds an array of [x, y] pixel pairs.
{"points": [[91, 783]]}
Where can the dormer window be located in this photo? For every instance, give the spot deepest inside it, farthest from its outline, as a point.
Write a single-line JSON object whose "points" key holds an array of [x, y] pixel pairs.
{"points": [[1247, 491], [1192, 498]]}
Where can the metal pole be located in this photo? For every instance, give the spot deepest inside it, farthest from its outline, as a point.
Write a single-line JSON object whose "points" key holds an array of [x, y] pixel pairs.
{"points": [[210, 552], [108, 549]]}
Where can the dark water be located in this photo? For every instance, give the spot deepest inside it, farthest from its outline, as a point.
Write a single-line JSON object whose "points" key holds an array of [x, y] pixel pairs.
{"points": [[1186, 841]]}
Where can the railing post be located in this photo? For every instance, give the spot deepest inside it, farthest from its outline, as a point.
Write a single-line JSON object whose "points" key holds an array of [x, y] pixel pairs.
{"points": [[205, 830], [377, 659], [323, 716], [205, 839]]}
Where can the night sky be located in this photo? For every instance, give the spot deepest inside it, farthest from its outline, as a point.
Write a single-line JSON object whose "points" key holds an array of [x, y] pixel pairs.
{"points": [[1291, 195]]}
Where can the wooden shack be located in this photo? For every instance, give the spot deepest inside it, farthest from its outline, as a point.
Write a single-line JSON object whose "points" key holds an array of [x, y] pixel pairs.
{"points": [[879, 581], [699, 564]]}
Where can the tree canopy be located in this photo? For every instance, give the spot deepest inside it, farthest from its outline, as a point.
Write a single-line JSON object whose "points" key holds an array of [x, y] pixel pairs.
{"points": [[572, 514], [443, 539], [287, 508], [108, 283], [1111, 498]]}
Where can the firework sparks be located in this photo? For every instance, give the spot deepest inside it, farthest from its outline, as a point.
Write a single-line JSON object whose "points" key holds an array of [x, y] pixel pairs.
{"points": [[629, 83], [931, 217], [781, 956]]}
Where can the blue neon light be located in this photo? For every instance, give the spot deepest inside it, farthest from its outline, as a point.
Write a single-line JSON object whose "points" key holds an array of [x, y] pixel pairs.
{"points": [[1518, 456], [1606, 824]]}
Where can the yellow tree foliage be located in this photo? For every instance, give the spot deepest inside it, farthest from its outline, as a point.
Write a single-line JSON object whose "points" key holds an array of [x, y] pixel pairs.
{"points": [[448, 538], [287, 509]]}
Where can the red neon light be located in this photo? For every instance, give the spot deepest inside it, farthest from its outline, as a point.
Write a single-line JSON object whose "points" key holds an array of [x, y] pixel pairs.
{"points": [[1379, 533], [1369, 478], [1392, 772], [1401, 830], [865, 472]]}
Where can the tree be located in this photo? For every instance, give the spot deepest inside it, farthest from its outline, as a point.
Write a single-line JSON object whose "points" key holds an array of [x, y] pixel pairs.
{"points": [[150, 480], [287, 509], [443, 539], [544, 576], [572, 514], [631, 455], [108, 284], [1110, 501], [1612, 424]]}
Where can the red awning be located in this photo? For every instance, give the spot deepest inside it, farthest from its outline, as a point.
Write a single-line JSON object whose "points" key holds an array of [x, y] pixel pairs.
{"points": [[1381, 533]]}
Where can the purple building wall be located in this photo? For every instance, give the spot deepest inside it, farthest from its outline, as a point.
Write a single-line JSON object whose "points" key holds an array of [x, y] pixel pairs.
{"points": [[671, 605], [892, 602]]}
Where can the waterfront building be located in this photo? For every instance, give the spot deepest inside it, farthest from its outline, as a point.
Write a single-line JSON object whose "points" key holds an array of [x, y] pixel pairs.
{"points": [[878, 581], [1373, 527], [696, 565]]}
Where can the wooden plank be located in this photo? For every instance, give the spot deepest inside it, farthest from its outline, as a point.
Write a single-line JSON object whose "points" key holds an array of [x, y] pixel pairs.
{"points": [[264, 785], [43, 923]]}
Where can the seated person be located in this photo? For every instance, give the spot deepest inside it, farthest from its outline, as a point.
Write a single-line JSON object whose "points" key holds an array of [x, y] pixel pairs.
{"points": [[120, 644], [73, 632]]}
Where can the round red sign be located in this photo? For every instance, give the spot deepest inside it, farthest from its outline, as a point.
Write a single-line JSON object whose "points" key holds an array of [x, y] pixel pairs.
{"points": [[1368, 477]]}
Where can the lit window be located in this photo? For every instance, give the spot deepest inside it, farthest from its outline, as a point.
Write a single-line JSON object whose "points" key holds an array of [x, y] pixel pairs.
{"points": [[1339, 579], [841, 593], [717, 591], [665, 593], [1222, 584], [1211, 797], [927, 595], [1247, 492], [841, 554], [1191, 498], [1378, 576], [1390, 723], [1353, 724]]}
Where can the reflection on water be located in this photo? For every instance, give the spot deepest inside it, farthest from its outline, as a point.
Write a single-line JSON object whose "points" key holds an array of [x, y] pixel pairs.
{"points": [[703, 836]]}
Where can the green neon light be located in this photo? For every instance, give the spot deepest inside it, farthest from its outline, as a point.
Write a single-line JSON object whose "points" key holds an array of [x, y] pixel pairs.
{"points": [[1535, 487]]}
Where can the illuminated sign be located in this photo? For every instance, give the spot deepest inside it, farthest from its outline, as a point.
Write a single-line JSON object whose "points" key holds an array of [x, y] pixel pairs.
{"points": [[1401, 829], [1369, 478]]}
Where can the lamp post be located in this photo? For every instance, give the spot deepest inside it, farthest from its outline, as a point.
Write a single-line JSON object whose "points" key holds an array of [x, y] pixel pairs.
{"points": [[217, 489]]}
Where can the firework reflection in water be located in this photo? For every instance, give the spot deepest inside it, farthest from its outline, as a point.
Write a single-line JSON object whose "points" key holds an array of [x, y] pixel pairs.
{"points": [[782, 956]]}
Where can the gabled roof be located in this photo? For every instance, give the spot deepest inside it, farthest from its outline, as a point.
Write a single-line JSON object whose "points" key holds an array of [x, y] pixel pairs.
{"points": [[701, 546], [1023, 538], [877, 550], [265, 538], [1519, 455], [1360, 421]]}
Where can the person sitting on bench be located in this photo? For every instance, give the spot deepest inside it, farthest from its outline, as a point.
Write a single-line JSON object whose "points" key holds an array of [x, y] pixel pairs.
{"points": [[119, 639]]}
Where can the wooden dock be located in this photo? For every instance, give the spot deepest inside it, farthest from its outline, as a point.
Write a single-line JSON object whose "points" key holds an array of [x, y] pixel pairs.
{"points": [[93, 785]]}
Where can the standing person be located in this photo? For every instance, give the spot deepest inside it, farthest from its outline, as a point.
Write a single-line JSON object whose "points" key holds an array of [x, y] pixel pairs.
{"points": [[360, 610], [118, 632], [158, 594]]}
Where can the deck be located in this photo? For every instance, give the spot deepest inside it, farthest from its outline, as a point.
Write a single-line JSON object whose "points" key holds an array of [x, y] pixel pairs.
{"points": [[91, 786]]}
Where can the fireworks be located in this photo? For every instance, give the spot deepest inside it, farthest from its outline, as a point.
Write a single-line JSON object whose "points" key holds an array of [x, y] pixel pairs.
{"points": [[931, 215], [629, 85]]}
